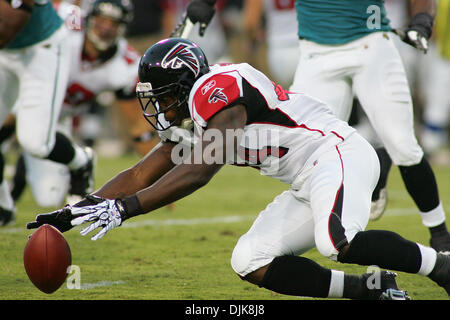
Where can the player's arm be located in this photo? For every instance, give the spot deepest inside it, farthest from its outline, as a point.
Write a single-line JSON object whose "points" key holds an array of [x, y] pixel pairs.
{"points": [[179, 182], [153, 166], [423, 6], [148, 170], [184, 179], [13, 19]]}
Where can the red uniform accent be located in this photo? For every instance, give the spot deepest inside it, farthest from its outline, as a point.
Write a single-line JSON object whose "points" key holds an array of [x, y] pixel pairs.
{"points": [[130, 55], [215, 94]]}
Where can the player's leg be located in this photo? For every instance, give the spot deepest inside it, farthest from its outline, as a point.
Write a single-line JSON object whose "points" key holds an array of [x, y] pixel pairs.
{"points": [[436, 113], [341, 188], [383, 91], [9, 90], [282, 70], [43, 87], [267, 255], [49, 181]]}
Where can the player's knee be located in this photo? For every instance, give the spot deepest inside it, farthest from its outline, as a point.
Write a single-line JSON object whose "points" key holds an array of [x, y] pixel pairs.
{"points": [[35, 147], [49, 195], [324, 243], [406, 154], [241, 256], [327, 247]]}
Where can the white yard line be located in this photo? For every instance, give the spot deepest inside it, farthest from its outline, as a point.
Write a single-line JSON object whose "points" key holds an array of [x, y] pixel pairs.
{"points": [[87, 286], [214, 220]]}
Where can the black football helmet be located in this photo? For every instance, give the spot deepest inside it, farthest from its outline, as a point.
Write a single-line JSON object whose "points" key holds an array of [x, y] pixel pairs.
{"points": [[168, 68], [120, 10]]}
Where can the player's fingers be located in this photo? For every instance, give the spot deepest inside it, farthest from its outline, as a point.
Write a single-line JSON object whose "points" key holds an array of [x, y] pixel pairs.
{"points": [[33, 225], [83, 219], [91, 227], [100, 234]]}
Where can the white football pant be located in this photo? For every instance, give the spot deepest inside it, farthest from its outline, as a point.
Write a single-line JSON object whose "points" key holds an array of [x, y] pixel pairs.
{"points": [[370, 68], [325, 207], [33, 81]]}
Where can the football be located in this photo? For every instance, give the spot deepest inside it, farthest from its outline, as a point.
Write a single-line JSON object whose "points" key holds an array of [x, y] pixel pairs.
{"points": [[46, 258]]}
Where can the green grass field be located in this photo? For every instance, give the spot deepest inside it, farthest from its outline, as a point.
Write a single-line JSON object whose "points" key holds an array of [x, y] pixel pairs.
{"points": [[184, 253]]}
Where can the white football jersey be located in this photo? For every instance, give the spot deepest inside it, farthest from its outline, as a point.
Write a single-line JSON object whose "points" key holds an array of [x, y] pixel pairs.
{"points": [[281, 23], [87, 79], [285, 131]]}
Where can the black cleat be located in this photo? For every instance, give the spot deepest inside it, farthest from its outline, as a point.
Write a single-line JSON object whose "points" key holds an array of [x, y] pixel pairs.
{"points": [[382, 286], [441, 271], [441, 244], [82, 179]]}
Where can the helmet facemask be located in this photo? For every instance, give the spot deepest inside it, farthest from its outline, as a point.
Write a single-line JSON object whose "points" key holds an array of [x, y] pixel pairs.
{"points": [[155, 103]]}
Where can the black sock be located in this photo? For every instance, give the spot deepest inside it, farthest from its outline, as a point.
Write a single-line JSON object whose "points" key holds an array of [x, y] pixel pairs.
{"points": [[297, 276], [439, 231], [421, 184], [19, 179], [385, 167], [63, 151], [384, 249], [2, 167]]}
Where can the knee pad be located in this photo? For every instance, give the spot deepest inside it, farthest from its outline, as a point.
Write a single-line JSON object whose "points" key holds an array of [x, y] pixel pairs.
{"points": [[241, 256], [50, 195], [406, 153], [34, 145], [323, 241]]}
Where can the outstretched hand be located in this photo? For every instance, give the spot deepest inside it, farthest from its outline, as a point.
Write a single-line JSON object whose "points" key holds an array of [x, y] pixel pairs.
{"points": [[104, 213]]}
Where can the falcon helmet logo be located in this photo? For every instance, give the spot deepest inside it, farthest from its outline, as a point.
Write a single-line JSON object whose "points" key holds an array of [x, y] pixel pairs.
{"points": [[181, 55], [217, 95]]}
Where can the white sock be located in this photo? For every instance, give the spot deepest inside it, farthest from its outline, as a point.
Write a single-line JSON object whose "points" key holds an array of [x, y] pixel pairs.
{"points": [[336, 284], [79, 160], [429, 256], [433, 217]]}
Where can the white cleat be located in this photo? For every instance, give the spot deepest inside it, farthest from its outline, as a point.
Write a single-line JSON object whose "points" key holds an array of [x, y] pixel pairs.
{"points": [[378, 206]]}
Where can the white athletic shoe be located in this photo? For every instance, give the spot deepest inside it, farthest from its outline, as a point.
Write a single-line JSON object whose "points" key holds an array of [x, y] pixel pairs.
{"points": [[378, 206]]}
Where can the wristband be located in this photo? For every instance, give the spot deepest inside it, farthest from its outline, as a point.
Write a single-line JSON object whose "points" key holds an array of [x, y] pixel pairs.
{"points": [[422, 22], [129, 207]]}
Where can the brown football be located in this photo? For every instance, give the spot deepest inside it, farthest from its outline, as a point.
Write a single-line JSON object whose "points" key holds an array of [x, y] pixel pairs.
{"points": [[46, 258]]}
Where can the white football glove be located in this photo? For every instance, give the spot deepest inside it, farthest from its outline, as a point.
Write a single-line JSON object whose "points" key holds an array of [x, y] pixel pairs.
{"points": [[105, 214]]}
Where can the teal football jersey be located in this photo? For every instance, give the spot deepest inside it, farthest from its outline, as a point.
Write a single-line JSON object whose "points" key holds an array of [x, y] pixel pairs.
{"points": [[44, 21], [339, 21]]}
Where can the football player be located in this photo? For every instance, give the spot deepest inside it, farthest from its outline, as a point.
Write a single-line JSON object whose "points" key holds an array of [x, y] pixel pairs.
{"points": [[99, 53], [243, 118], [436, 116], [34, 70], [280, 23]]}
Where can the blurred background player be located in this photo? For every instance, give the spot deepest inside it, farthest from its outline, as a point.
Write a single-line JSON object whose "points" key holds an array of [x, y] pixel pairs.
{"points": [[34, 70], [436, 98], [337, 62], [101, 60], [274, 23]]}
